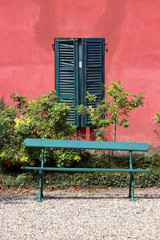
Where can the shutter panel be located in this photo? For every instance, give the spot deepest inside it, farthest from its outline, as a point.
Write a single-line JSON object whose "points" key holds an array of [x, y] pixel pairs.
{"points": [[93, 72], [66, 78]]}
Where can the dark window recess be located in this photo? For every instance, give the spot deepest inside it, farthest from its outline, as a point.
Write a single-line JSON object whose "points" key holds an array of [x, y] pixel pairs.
{"points": [[79, 67]]}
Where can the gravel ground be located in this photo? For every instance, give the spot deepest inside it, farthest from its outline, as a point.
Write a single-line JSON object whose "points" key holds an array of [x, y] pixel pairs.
{"points": [[68, 214]]}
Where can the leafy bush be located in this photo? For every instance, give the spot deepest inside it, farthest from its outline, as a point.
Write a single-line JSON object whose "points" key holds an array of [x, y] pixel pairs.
{"points": [[87, 180], [94, 159], [157, 117], [114, 109], [40, 116], [7, 134], [157, 120]]}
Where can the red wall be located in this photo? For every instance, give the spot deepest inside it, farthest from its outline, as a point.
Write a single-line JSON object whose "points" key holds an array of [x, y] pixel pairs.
{"points": [[131, 30]]}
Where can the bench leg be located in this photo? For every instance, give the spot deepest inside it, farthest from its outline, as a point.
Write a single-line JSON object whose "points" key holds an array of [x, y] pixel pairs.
{"points": [[132, 188], [40, 195]]}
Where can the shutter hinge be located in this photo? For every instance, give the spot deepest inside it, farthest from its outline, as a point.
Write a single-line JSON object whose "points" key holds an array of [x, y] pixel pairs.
{"points": [[53, 46], [106, 48]]}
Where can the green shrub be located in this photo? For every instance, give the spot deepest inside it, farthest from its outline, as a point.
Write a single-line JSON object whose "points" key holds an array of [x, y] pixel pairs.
{"points": [[113, 109], [87, 180], [7, 133], [43, 115], [157, 120]]}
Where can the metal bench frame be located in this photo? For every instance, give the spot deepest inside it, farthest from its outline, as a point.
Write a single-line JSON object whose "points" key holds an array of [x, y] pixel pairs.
{"points": [[96, 145]]}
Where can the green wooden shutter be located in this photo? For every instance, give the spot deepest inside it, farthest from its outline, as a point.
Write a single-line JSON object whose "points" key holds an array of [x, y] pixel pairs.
{"points": [[93, 72], [66, 75]]}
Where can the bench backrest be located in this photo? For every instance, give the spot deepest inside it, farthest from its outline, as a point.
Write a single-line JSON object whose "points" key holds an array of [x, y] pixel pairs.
{"points": [[76, 144]]}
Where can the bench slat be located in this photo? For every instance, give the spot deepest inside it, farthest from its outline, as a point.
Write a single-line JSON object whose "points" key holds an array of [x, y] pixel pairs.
{"points": [[85, 169], [76, 144]]}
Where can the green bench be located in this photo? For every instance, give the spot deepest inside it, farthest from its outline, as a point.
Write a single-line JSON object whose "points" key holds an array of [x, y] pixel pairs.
{"points": [[96, 145]]}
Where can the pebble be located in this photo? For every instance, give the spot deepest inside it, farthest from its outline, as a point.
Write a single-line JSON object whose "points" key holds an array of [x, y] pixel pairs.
{"points": [[83, 215]]}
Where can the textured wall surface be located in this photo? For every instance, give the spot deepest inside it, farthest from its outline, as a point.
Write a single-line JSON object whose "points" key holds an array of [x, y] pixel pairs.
{"points": [[131, 30]]}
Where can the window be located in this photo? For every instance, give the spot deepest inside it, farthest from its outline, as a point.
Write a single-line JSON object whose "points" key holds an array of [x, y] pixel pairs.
{"points": [[79, 67]]}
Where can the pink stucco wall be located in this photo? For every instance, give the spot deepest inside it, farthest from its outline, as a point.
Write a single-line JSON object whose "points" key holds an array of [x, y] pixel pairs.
{"points": [[131, 30]]}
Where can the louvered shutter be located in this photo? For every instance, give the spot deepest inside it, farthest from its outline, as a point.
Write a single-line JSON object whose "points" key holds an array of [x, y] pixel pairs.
{"points": [[66, 64], [93, 72]]}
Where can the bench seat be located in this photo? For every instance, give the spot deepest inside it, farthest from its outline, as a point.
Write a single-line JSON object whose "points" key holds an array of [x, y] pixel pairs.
{"points": [[85, 169]]}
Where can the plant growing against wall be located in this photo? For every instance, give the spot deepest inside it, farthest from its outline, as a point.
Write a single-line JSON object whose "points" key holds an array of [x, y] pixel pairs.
{"points": [[157, 117], [157, 120], [7, 134], [114, 109], [19, 100], [44, 115], [47, 116]]}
